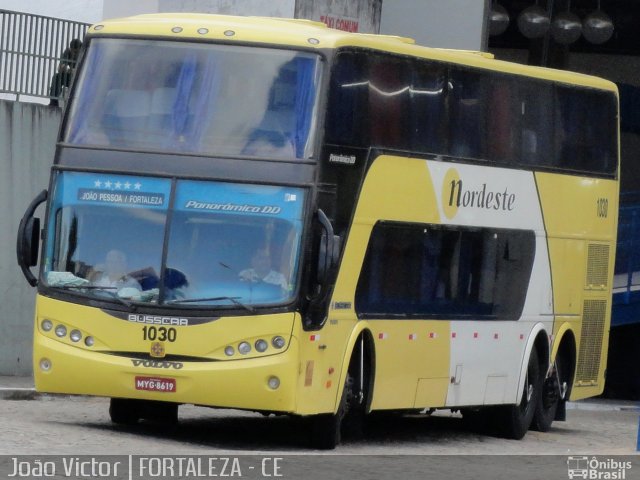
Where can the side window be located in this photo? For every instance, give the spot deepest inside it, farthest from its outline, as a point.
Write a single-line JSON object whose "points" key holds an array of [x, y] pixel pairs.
{"points": [[431, 271], [348, 114], [503, 119], [389, 96], [537, 133], [468, 103], [583, 144], [429, 113]]}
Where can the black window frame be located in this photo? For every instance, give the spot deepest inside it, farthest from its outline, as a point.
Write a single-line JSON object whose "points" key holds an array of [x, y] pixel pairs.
{"points": [[442, 272], [538, 133]]}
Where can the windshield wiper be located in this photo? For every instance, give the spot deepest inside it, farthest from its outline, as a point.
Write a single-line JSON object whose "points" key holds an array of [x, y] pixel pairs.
{"points": [[107, 290], [234, 300]]}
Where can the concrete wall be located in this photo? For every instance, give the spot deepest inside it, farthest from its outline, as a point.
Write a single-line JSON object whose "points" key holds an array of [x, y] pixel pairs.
{"points": [[438, 23], [352, 15], [27, 143], [272, 8]]}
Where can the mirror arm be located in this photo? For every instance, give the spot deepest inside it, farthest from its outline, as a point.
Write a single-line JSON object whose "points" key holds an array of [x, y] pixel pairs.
{"points": [[21, 244]]}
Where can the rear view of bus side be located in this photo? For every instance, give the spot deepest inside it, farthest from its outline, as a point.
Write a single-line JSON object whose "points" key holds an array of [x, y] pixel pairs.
{"points": [[439, 229]]}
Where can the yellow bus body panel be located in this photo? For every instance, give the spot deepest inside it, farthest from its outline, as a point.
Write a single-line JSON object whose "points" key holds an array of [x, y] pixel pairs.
{"points": [[582, 243], [239, 382]]}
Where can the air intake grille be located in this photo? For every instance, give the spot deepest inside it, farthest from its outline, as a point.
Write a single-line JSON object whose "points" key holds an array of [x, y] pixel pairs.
{"points": [[591, 340], [598, 265]]}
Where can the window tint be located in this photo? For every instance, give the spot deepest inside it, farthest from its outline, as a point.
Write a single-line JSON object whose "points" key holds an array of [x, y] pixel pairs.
{"points": [[429, 113], [585, 128], [468, 114], [348, 116], [536, 128], [428, 107], [389, 97], [429, 271]]}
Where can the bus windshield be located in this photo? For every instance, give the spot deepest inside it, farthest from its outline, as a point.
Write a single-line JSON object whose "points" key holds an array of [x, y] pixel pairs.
{"points": [[195, 98], [126, 239]]}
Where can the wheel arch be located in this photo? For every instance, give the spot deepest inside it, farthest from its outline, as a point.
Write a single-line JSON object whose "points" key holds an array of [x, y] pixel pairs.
{"points": [[361, 339], [565, 346], [538, 340]]}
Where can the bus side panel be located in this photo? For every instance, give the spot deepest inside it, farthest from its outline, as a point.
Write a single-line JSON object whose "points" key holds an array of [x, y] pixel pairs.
{"points": [[581, 222], [412, 356]]}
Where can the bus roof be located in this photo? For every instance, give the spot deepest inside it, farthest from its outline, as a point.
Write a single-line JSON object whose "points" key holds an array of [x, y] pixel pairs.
{"points": [[316, 35]]}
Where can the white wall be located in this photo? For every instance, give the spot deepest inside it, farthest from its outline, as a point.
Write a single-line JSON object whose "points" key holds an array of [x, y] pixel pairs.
{"points": [[27, 145], [126, 8], [437, 23], [89, 11]]}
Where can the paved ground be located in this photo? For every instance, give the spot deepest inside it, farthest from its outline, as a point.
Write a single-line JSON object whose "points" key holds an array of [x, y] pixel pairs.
{"points": [[410, 447], [76, 425]]}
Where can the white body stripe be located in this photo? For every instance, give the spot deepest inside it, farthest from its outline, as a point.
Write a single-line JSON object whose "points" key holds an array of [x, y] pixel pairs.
{"points": [[487, 357]]}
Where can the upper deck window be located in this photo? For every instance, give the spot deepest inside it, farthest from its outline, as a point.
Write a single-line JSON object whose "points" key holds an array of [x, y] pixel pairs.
{"points": [[196, 98]]}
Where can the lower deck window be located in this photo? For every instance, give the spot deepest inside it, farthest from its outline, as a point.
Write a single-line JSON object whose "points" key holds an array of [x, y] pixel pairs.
{"points": [[433, 271]]}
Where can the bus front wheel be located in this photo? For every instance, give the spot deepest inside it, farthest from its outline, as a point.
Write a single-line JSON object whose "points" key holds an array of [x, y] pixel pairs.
{"points": [[326, 429], [123, 411]]}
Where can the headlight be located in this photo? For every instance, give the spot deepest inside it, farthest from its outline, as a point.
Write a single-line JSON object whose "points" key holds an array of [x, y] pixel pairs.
{"points": [[261, 345], [229, 351], [61, 331], [278, 341], [244, 348], [46, 325], [88, 341], [75, 335]]}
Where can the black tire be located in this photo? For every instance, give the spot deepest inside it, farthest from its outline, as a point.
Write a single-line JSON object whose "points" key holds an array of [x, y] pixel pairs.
{"points": [[123, 411], [477, 420], [549, 399], [515, 420], [326, 429], [165, 413]]}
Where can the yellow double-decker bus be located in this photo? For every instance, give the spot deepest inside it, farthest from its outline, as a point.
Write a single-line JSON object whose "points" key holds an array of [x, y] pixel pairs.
{"points": [[270, 215]]}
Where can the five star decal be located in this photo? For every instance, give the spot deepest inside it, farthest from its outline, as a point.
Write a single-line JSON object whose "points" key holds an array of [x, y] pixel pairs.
{"points": [[117, 185]]}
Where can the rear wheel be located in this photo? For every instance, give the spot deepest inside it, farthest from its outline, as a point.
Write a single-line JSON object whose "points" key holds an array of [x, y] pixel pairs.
{"points": [[516, 419], [549, 401]]}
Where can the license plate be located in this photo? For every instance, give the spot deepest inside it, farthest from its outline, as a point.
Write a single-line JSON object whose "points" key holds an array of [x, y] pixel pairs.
{"points": [[156, 384]]}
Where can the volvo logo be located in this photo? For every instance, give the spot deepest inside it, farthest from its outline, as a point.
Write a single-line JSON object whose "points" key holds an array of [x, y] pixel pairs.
{"points": [[157, 364]]}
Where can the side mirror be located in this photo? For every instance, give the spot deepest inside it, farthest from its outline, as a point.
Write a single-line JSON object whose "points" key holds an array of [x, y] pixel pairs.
{"points": [[329, 249], [28, 241]]}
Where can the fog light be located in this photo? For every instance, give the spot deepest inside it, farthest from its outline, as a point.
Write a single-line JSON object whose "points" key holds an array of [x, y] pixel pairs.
{"points": [[61, 331], [75, 335], [88, 341], [229, 351], [45, 364], [244, 348], [261, 345], [278, 342], [46, 325], [274, 383]]}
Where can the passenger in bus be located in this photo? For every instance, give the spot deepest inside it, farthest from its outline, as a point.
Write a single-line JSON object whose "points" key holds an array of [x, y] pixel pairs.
{"points": [[113, 273], [261, 271]]}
